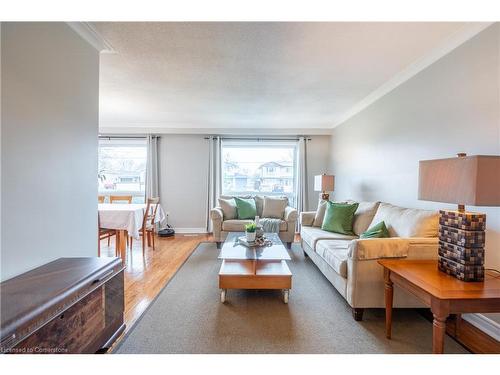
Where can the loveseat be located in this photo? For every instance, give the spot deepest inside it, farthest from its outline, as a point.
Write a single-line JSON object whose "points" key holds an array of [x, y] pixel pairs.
{"points": [[350, 263], [225, 220]]}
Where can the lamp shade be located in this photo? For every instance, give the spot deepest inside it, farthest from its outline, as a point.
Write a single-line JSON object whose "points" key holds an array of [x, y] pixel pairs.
{"points": [[324, 182], [471, 180]]}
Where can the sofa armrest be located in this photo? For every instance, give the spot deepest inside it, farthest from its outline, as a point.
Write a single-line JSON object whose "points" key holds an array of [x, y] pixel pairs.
{"points": [[216, 214], [394, 247], [307, 218], [423, 248], [217, 218], [291, 214], [375, 248]]}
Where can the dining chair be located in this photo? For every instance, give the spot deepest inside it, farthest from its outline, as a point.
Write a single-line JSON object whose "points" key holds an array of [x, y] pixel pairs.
{"points": [[103, 233], [148, 228], [100, 198], [120, 198]]}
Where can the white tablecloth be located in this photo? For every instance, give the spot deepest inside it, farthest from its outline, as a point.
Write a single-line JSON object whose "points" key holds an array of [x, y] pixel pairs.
{"points": [[125, 217]]}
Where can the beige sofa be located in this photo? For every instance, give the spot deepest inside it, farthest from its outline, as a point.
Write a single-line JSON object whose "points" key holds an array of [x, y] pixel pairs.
{"points": [[350, 263], [221, 225]]}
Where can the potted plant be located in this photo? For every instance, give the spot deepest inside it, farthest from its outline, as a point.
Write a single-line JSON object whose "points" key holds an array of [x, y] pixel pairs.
{"points": [[250, 231]]}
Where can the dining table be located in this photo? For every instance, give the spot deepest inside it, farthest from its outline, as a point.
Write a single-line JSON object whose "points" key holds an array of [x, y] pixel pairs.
{"points": [[126, 220]]}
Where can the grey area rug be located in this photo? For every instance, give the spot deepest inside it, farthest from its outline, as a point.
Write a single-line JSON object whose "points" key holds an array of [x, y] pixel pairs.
{"points": [[187, 317]]}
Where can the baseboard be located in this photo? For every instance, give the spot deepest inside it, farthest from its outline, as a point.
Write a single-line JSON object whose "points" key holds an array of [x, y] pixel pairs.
{"points": [[475, 339], [485, 324], [191, 230]]}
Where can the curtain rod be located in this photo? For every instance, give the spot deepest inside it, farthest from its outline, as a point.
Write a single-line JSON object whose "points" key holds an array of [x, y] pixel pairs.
{"points": [[260, 139], [110, 137]]}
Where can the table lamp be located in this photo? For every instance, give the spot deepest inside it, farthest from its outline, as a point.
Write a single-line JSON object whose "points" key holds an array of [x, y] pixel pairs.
{"points": [[324, 183], [472, 180]]}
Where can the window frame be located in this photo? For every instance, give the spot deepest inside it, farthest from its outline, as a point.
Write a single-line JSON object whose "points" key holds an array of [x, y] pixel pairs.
{"points": [[262, 143], [139, 142]]}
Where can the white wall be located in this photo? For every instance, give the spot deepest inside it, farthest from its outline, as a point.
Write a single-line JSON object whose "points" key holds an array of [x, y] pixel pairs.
{"points": [[318, 159], [451, 106], [183, 164], [49, 113], [183, 180]]}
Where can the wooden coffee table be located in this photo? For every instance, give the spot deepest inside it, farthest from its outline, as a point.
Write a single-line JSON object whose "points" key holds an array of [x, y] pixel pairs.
{"points": [[254, 268]]}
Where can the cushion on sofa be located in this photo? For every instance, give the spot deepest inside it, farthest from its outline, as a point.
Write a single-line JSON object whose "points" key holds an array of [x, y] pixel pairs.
{"points": [[228, 207], [334, 252], [339, 217], [364, 216], [312, 235], [246, 208], [239, 225], [259, 204], [235, 225], [274, 207], [320, 214], [407, 222], [377, 231]]}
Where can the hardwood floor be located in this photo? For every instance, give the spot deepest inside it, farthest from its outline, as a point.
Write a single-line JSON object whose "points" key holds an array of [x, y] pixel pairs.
{"points": [[146, 276]]}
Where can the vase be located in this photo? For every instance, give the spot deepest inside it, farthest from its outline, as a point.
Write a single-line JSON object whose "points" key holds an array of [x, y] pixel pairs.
{"points": [[259, 232], [250, 236]]}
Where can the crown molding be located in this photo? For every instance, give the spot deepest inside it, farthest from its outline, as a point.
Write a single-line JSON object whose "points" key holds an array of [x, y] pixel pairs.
{"points": [[92, 36], [457, 39], [141, 128]]}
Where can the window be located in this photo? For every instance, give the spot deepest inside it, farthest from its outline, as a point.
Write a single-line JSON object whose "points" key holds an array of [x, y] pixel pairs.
{"points": [[122, 167], [264, 167]]}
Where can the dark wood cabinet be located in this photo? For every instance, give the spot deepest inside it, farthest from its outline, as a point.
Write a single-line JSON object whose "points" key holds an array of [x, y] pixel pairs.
{"points": [[71, 305]]}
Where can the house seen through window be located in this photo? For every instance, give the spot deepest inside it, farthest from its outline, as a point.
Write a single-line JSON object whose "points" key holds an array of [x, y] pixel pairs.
{"points": [[265, 168], [122, 168]]}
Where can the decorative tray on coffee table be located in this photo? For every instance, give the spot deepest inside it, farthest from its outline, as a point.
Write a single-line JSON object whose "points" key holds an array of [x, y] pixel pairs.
{"points": [[259, 242]]}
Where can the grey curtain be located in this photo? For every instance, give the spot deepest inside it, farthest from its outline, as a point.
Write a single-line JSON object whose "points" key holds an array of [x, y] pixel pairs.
{"points": [[214, 176], [152, 188], [301, 182]]}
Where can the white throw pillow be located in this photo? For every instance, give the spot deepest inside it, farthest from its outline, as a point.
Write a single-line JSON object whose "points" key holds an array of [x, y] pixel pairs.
{"points": [[259, 204], [320, 214], [274, 207], [364, 216], [228, 207], [407, 222]]}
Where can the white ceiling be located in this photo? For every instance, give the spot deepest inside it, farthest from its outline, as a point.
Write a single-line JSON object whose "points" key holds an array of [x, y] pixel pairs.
{"points": [[236, 77]]}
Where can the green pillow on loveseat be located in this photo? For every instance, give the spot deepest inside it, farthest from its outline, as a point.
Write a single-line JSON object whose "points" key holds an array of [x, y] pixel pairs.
{"points": [[246, 208]]}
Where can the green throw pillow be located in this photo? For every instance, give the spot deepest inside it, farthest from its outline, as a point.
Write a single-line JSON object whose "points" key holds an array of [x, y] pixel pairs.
{"points": [[339, 217], [377, 231], [246, 208]]}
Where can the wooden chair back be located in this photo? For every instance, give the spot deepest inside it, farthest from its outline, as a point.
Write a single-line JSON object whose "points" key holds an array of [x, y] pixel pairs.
{"points": [[150, 213], [120, 198], [100, 198]]}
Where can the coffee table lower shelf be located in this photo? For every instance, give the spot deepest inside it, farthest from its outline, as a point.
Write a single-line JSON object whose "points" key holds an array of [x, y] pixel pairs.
{"points": [[255, 274]]}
